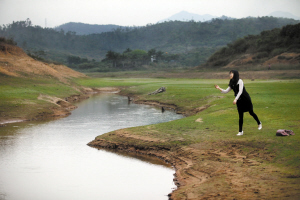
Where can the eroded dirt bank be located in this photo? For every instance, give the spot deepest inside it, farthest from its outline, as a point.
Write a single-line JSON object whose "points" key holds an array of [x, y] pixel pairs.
{"points": [[218, 170]]}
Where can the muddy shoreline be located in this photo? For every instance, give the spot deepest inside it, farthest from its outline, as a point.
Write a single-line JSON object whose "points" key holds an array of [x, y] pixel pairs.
{"points": [[161, 153]]}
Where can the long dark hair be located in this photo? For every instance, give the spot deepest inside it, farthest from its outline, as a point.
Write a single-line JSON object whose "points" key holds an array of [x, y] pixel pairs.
{"points": [[235, 78]]}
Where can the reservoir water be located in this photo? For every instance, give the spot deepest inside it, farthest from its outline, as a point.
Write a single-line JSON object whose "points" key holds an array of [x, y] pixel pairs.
{"points": [[50, 160]]}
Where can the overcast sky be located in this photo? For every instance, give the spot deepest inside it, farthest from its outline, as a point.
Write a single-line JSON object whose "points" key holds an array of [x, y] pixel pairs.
{"points": [[133, 12]]}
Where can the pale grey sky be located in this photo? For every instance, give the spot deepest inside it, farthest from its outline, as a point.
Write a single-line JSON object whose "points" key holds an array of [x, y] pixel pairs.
{"points": [[133, 12]]}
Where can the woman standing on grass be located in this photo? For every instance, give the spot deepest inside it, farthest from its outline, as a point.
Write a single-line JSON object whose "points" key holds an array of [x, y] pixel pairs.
{"points": [[242, 99]]}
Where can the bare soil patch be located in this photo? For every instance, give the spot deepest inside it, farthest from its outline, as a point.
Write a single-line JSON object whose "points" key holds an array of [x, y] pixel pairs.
{"points": [[15, 62]]}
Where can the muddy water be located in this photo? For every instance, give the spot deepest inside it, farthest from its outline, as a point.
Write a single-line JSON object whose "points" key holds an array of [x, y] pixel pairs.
{"points": [[51, 160]]}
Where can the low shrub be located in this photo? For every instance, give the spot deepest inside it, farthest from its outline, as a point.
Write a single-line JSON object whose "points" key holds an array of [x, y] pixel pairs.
{"points": [[260, 55], [277, 51], [7, 41], [281, 57]]}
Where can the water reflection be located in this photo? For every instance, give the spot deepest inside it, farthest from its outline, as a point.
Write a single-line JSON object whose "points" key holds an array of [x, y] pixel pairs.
{"points": [[51, 160], [142, 157]]}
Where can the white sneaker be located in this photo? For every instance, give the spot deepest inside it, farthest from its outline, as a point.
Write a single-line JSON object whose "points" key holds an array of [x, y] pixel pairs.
{"points": [[260, 126], [240, 133]]}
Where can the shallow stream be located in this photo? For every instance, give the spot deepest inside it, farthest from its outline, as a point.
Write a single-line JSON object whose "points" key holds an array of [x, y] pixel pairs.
{"points": [[50, 160]]}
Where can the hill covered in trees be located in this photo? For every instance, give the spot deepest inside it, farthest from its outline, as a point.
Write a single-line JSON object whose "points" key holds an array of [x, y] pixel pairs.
{"points": [[279, 45], [87, 29], [191, 43]]}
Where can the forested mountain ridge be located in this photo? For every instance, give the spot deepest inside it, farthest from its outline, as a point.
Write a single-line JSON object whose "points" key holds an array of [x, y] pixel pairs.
{"points": [[87, 29], [271, 47], [192, 41]]}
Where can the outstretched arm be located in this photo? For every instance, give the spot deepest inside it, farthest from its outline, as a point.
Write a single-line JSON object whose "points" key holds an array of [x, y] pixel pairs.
{"points": [[223, 91]]}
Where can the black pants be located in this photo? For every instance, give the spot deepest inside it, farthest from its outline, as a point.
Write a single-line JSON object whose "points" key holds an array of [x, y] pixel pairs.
{"points": [[241, 120]]}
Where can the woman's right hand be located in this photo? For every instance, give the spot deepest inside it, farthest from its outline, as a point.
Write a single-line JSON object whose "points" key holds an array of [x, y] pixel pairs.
{"points": [[217, 87]]}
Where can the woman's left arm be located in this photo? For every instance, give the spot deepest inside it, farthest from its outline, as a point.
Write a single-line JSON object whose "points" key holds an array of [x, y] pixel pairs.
{"points": [[241, 87]]}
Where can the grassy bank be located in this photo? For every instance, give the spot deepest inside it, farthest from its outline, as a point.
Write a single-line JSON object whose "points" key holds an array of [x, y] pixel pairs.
{"points": [[208, 136], [20, 96], [276, 102]]}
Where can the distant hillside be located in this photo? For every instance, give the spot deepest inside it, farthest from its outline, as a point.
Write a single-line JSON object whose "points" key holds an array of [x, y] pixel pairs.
{"points": [[284, 15], [193, 42], [277, 46], [186, 16], [86, 29]]}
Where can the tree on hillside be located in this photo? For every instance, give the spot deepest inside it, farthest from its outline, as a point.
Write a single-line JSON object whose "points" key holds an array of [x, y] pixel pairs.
{"points": [[292, 31], [113, 57], [137, 57], [127, 50]]}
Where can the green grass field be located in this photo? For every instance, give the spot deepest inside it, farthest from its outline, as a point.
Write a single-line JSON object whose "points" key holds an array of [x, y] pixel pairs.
{"points": [[276, 102], [19, 96]]}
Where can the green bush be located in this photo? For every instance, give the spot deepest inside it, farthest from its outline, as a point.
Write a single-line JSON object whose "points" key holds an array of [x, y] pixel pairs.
{"points": [[281, 57], [260, 55], [277, 51], [7, 41]]}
